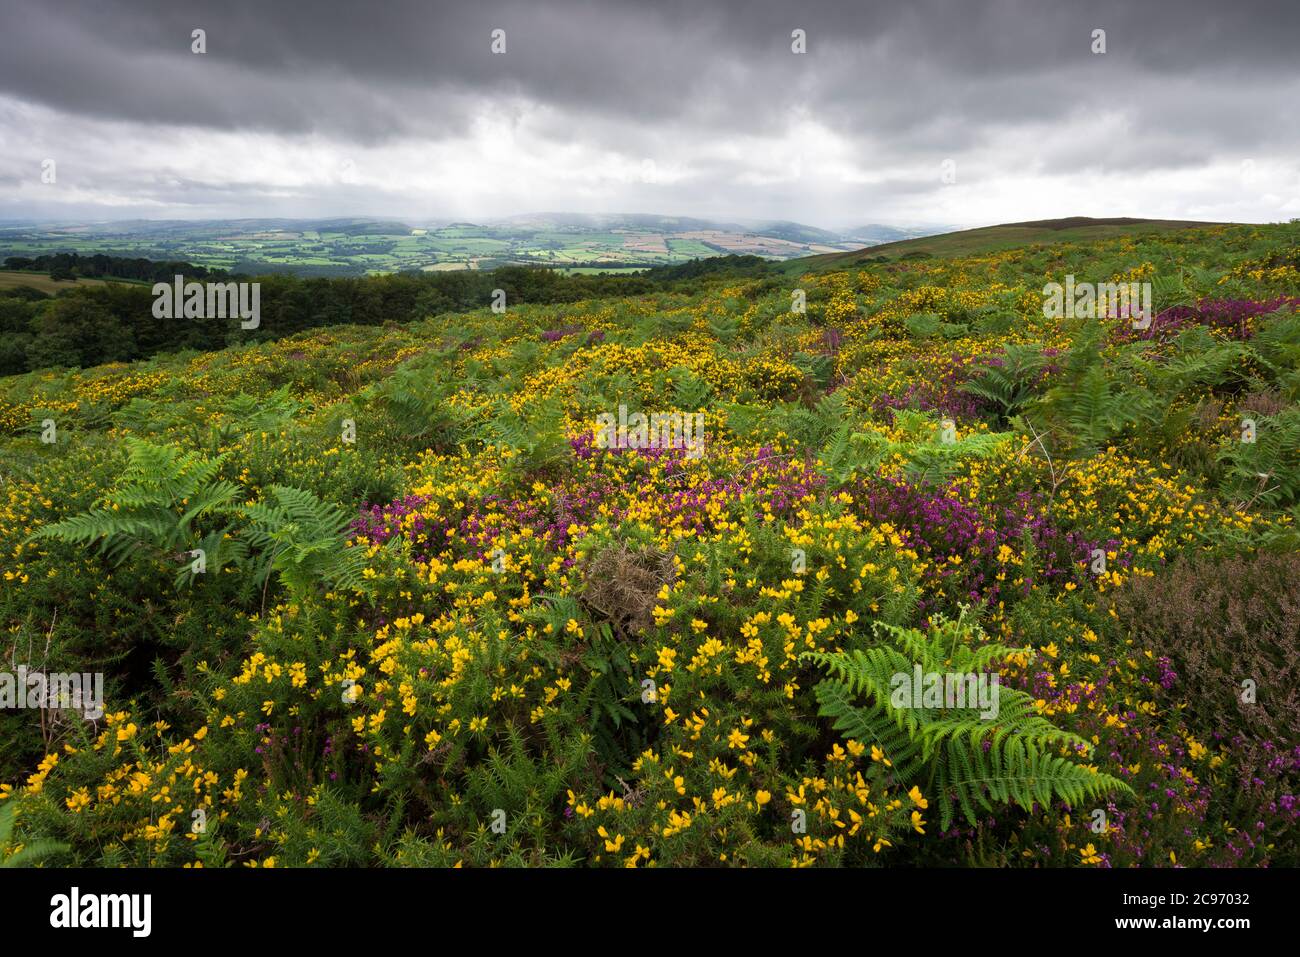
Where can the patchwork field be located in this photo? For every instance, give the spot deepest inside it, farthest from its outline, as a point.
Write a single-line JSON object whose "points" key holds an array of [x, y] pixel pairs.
{"points": [[356, 247]]}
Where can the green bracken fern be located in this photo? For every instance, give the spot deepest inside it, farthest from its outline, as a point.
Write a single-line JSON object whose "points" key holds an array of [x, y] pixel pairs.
{"points": [[970, 761]]}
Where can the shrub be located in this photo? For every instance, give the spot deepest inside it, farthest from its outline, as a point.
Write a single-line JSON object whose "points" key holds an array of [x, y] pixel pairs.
{"points": [[1222, 622]]}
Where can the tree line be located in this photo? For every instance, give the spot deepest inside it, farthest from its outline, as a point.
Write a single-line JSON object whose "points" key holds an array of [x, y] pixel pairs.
{"points": [[70, 266], [90, 325]]}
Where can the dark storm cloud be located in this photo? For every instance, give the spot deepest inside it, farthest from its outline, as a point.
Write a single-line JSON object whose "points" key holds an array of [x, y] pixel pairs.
{"points": [[371, 69], [1009, 87]]}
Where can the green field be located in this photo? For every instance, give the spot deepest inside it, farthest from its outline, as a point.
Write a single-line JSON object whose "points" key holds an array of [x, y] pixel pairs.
{"points": [[360, 246], [10, 279]]}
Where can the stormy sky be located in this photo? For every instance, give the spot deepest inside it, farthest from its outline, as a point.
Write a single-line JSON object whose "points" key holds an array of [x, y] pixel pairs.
{"points": [[961, 112]]}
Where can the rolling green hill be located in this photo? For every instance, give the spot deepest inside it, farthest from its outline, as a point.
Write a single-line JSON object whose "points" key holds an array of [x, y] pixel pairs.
{"points": [[973, 242]]}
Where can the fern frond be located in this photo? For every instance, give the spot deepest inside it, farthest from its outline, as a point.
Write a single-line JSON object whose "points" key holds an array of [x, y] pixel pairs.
{"points": [[972, 757]]}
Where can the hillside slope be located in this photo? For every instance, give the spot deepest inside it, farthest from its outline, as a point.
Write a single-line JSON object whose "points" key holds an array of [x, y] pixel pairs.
{"points": [[424, 594], [973, 242]]}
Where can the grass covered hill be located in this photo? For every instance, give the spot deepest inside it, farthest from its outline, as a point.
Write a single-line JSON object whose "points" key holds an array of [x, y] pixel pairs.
{"points": [[988, 239], [383, 595]]}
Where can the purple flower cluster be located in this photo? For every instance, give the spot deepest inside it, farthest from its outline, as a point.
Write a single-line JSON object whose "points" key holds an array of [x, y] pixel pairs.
{"points": [[939, 525], [555, 335], [927, 397], [832, 340], [378, 523], [484, 519], [768, 484], [1231, 316], [938, 392]]}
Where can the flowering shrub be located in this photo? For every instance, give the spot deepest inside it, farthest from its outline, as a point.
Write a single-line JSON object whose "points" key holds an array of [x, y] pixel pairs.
{"points": [[440, 623]]}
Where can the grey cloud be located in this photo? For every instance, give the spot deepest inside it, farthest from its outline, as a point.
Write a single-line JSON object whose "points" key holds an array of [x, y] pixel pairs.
{"points": [[376, 68], [907, 83]]}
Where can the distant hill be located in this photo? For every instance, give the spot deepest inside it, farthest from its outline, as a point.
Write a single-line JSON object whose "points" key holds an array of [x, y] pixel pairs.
{"points": [[796, 232], [772, 228], [645, 221], [874, 234], [971, 242]]}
